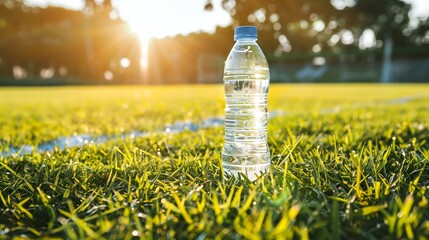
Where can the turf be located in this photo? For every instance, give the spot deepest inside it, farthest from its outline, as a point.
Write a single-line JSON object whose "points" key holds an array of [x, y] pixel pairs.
{"points": [[348, 162]]}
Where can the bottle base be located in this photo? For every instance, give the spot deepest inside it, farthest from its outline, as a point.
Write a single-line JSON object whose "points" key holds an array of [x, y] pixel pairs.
{"points": [[251, 171]]}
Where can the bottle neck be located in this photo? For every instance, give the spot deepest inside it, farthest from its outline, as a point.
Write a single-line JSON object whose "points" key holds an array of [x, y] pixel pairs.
{"points": [[246, 40]]}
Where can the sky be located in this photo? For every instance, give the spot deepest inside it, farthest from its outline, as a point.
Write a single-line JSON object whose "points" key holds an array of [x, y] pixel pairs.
{"points": [[180, 16], [159, 18]]}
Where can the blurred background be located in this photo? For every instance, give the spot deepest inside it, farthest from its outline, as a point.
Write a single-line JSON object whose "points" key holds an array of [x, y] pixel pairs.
{"points": [[71, 42]]}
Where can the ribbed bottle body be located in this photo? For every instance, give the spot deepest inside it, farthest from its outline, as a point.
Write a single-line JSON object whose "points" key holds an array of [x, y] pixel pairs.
{"points": [[246, 81]]}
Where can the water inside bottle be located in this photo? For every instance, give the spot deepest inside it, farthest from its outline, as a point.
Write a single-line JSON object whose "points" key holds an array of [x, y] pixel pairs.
{"points": [[245, 148]]}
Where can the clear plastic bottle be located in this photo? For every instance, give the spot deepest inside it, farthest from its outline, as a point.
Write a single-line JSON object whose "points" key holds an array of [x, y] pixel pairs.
{"points": [[246, 80]]}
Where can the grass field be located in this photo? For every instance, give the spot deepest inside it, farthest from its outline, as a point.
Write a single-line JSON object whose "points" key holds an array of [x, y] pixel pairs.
{"points": [[348, 162]]}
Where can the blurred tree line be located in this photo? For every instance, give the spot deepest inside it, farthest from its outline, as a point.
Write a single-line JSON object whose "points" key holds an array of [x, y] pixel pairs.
{"points": [[341, 32], [95, 46], [59, 46]]}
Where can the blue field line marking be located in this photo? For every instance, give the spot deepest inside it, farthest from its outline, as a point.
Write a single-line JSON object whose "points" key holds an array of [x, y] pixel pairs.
{"points": [[62, 143], [83, 139]]}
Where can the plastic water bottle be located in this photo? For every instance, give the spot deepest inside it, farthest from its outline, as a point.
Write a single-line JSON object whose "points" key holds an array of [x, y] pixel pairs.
{"points": [[246, 80]]}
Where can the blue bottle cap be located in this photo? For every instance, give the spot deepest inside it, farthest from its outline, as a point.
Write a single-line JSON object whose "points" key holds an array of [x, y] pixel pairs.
{"points": [[245, 32]]}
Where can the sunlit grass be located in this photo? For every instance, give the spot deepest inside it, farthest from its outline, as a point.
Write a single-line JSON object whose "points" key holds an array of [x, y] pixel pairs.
{"points": [[348, 161]]}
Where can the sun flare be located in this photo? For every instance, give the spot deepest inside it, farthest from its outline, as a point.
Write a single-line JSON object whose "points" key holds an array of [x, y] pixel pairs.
{"points": [[142, 24], [143, 33]]}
